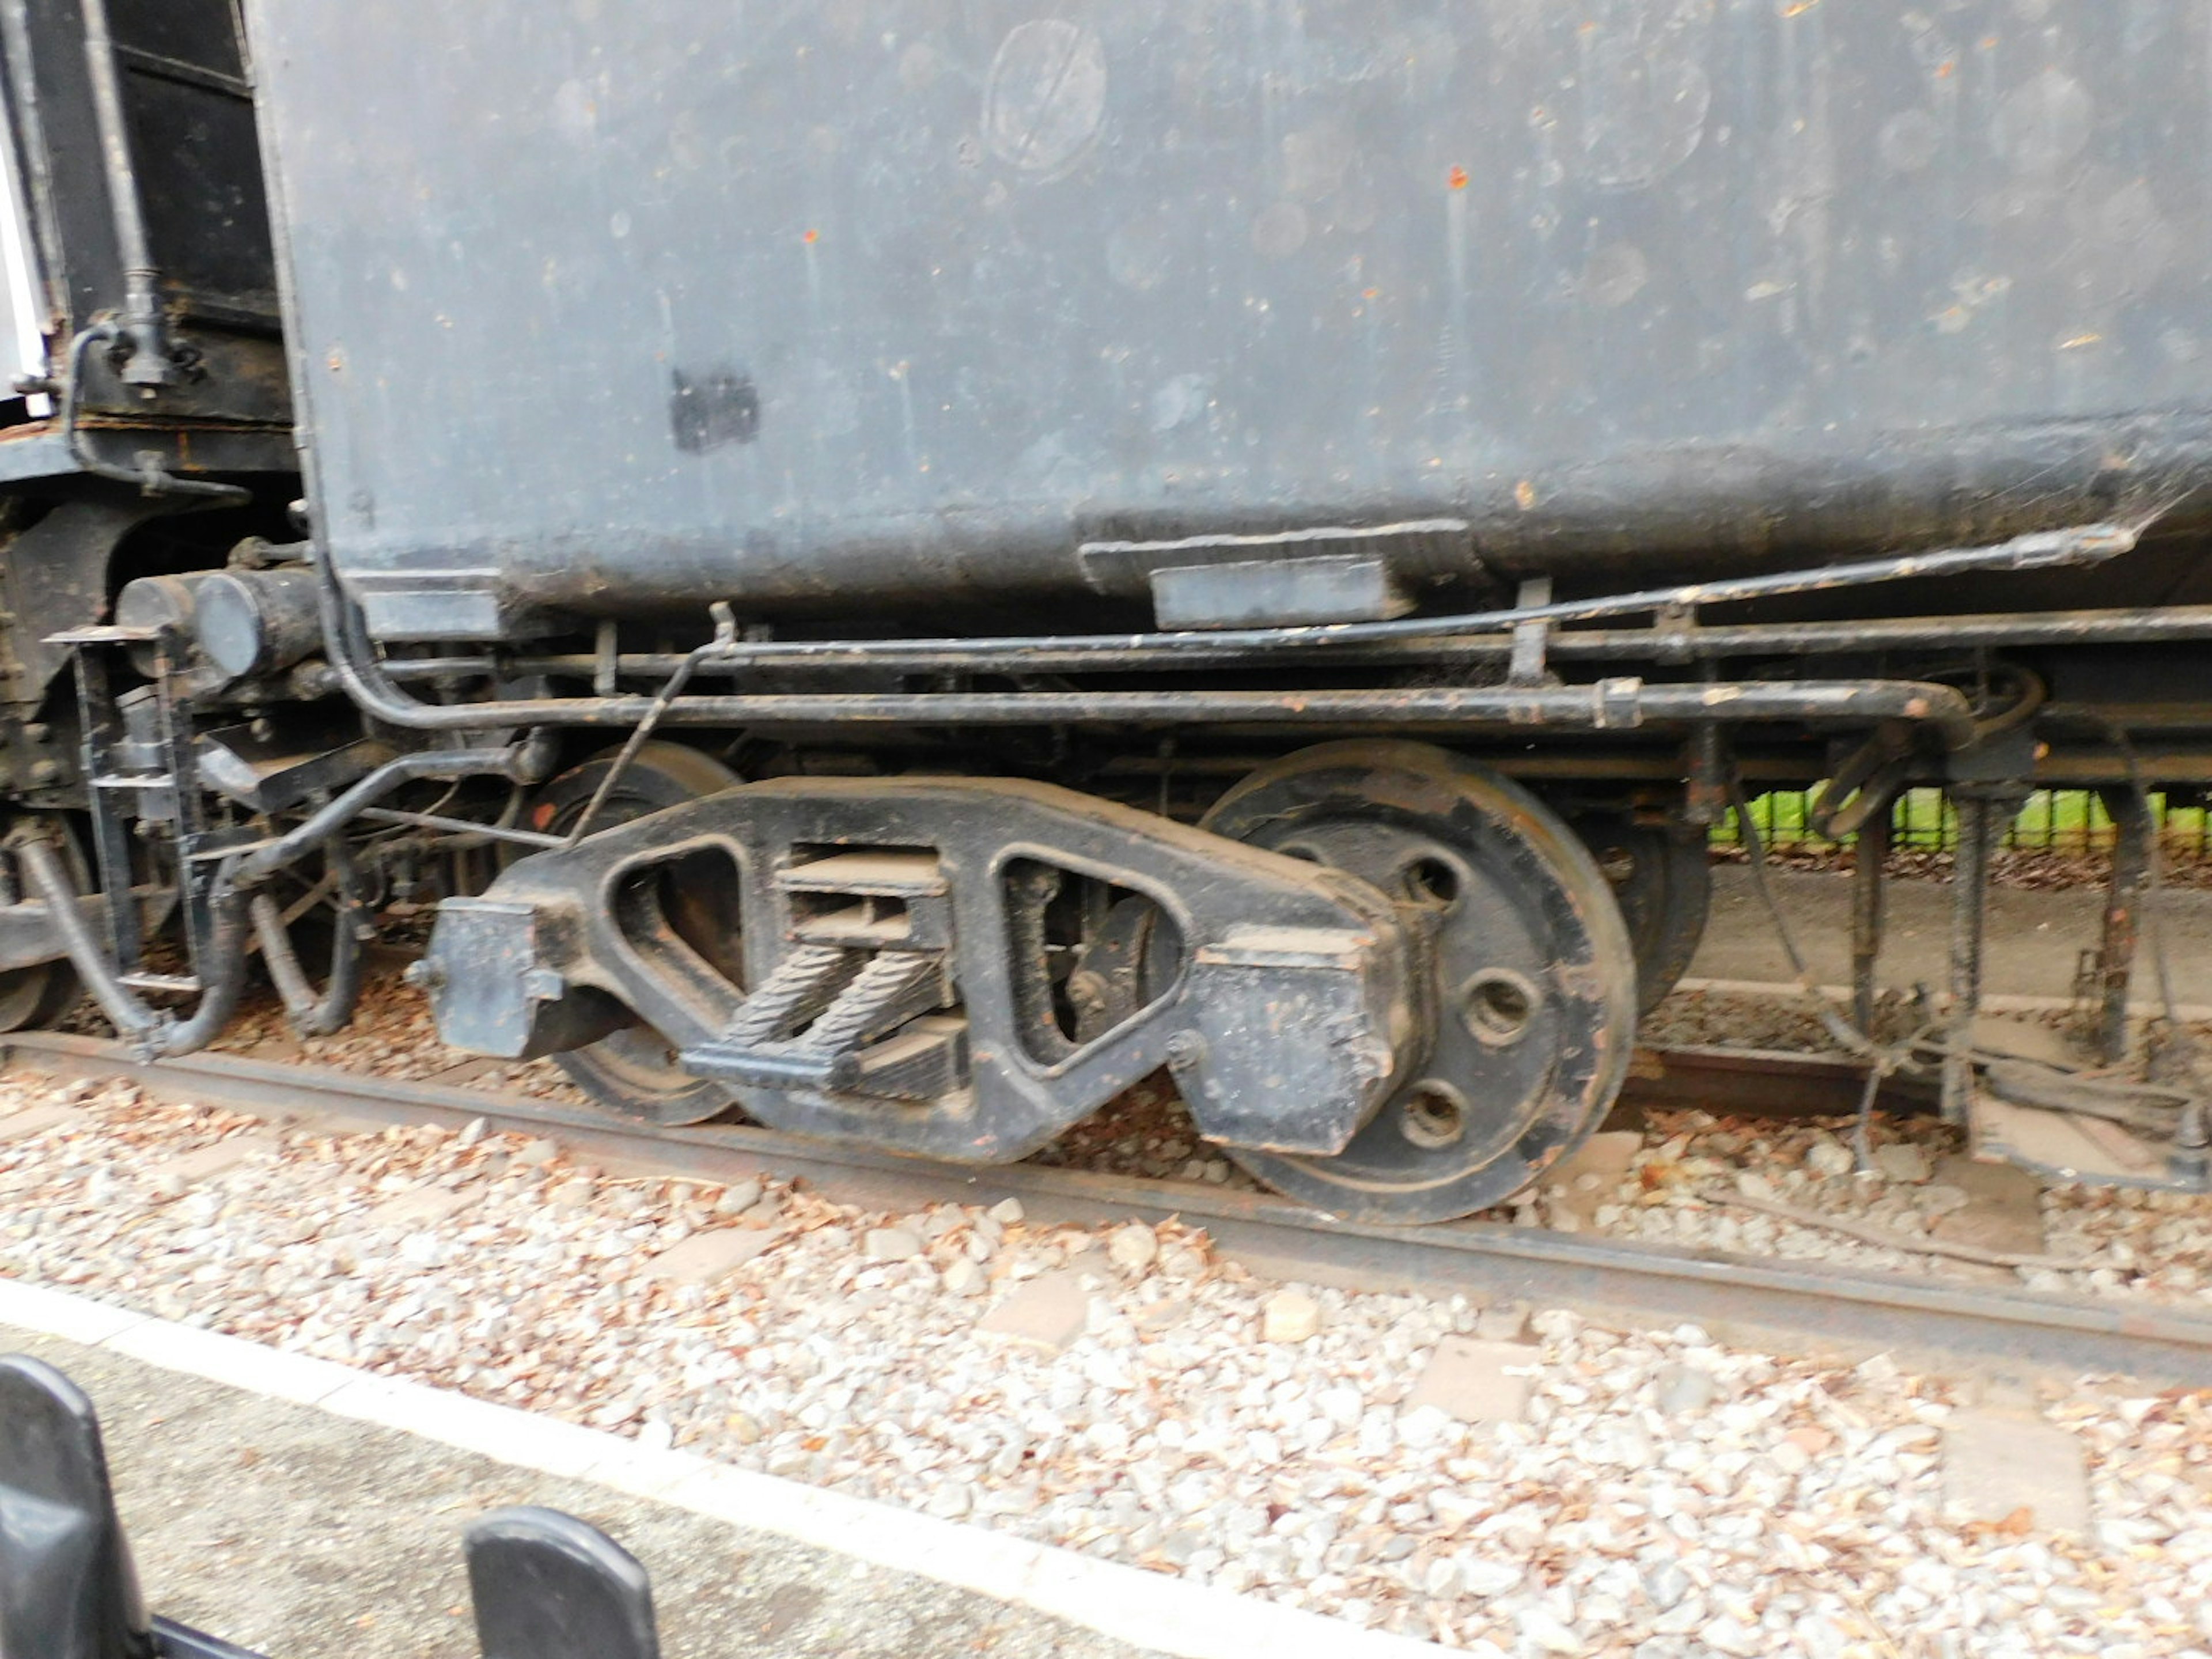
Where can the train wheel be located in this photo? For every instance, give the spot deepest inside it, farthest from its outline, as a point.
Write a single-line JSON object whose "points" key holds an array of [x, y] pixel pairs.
{"points": [[34, 997], [1664, 882], [37, 996], [633, 1073], [1529, 982]]}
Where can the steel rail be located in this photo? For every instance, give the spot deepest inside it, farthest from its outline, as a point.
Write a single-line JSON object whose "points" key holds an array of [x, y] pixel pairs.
{"points": [[1735, 1298]]}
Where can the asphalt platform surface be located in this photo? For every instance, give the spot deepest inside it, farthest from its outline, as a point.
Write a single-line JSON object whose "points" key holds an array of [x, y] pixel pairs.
{"points": [[301, 1535]]}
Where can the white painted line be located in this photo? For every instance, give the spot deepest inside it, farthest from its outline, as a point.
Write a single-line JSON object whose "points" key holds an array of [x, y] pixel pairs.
{"points": [[1144, 1609], [499, 1433], [57, 1312], [280, 1375]]}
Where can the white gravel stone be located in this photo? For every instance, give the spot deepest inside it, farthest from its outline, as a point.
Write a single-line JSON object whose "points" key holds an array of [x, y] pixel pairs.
{"points": [[1007, 1211], [1546, 1633], [891, 1244], [1662, 1494], [1133, 1249], [1682, 1390], [1903, 1162], [736, 1198], [964, 1278], [1485, 1577], [1290, 1315]]}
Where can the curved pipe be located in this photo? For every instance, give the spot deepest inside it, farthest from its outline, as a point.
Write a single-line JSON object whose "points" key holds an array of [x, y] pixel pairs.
{"points": [[153, 480], [526, 761], [307, 1014], [150, 1031], [1703, 642], [365, 681]]}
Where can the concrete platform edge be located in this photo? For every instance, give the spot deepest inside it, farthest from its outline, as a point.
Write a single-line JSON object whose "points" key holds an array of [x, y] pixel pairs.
{"points": [[1145, 1610]]}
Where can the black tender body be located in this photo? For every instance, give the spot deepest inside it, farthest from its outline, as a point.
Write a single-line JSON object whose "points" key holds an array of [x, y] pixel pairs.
{"points": [[618, 308]]}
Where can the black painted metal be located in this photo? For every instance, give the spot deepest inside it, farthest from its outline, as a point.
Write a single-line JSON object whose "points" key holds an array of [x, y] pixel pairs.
{"points": [[917, 310], [546, 1586], [2135, 851], [1285, 1013], [1524, 982], [133, 130], [1675, 643], [1661, 874], [67, 1587]]}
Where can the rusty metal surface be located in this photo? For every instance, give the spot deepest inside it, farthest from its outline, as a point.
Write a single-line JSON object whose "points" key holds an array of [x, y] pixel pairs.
{"points": [[1732, 1295]]}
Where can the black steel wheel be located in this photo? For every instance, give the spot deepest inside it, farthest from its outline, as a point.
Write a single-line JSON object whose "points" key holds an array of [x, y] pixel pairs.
{"points": [[1529, 982], [633, 1073], [35, 997], [1663, 880]]}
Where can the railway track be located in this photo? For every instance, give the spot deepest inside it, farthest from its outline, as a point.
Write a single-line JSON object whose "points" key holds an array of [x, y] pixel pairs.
{"points": [[1741, 1298]]}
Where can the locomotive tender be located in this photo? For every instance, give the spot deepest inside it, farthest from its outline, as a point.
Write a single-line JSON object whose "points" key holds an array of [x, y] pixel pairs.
{"points": [[899, 567]]}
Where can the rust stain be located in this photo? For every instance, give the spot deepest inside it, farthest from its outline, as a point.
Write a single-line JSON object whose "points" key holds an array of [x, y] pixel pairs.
{"points": [[1524, 493], [1457, 177], [811, 237]]}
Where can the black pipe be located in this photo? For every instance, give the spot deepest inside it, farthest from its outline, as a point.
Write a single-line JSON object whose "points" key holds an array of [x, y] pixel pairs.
{"points": [[151, 1032], [152, 481], [2044, 550], [526, 761], [1694, 644], [1606, 705], [145, 324], [308, 1014], [363, 677]]}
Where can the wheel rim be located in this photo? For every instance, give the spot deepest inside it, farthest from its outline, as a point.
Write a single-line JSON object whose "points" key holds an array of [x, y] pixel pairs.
{"points": [[35, 995], [1528, 979], [1664, 885], [41, 994], [635, 1072]]}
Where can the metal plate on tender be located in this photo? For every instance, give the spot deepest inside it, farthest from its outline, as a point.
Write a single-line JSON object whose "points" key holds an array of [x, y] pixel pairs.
{"points": [[1278, 594], [1424, 551]]}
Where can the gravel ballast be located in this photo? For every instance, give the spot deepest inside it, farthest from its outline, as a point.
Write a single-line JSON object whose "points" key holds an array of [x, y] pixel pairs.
{"points": [[1383, 1459]]}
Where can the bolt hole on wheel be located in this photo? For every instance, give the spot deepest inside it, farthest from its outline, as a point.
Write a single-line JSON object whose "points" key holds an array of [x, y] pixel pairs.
{"points": [[1500, 1006]]}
